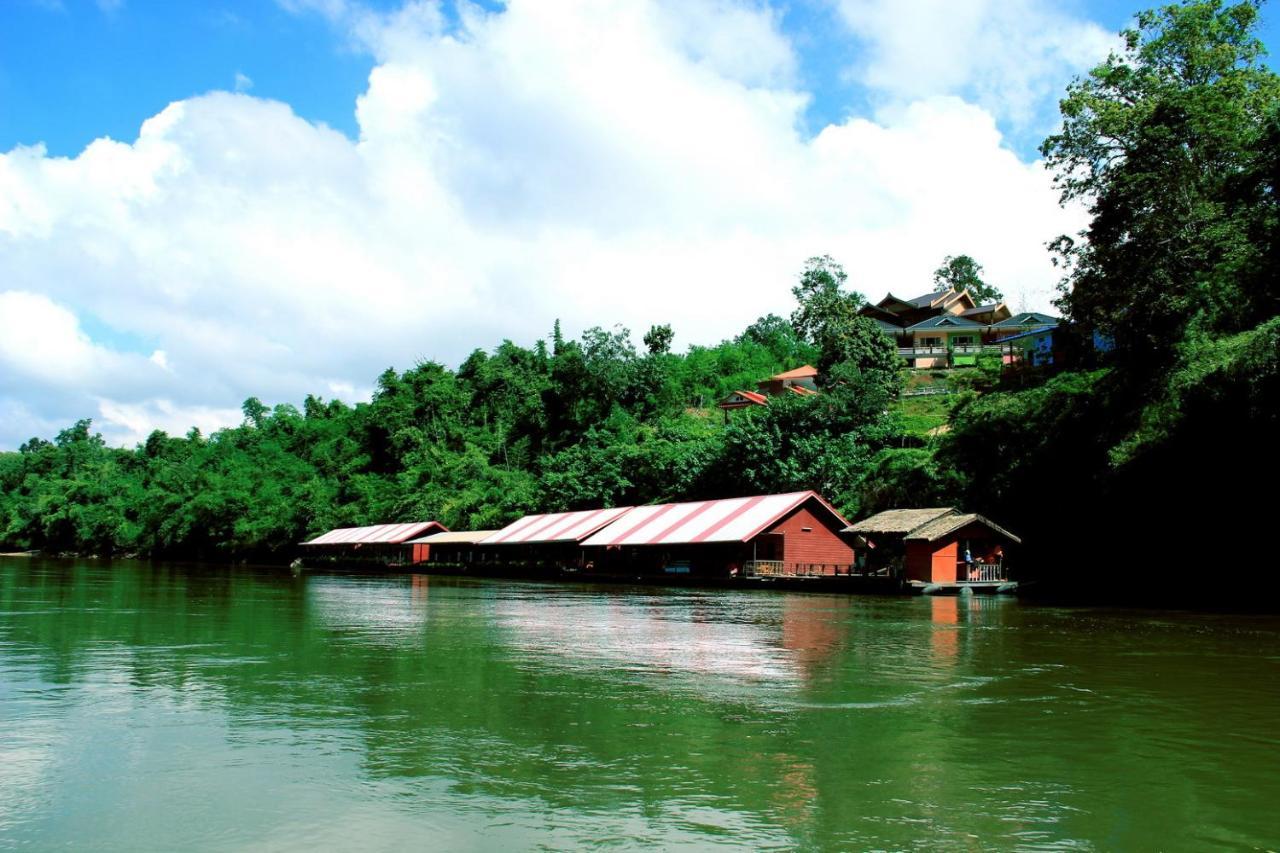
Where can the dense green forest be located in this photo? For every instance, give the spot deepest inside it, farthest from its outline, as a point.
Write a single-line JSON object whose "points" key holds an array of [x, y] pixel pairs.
{"points": [[1135, 454]]}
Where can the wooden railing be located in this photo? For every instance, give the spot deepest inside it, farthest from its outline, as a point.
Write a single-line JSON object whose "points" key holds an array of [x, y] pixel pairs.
{"points": [[983, 572], [782, 569]]}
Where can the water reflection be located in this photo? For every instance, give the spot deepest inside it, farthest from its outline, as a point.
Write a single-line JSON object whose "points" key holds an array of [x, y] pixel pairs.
{"points": [[944, 639], [642, 633], [168, 707]]}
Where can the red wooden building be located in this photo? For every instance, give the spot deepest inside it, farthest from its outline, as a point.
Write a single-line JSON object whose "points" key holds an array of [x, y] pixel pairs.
{"points": [[789, 535], [928, 547]]}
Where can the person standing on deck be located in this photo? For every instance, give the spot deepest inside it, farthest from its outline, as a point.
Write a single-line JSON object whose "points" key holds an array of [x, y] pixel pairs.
{"points": [[968, 563]]}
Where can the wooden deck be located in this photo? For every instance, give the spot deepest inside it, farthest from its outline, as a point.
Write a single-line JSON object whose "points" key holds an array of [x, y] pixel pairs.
{"points": [[989, 587], [781, 569]]}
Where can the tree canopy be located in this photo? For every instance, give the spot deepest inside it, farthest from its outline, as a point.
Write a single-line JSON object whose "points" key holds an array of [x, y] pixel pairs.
{"points": [[1171, 142], [579, 423], [961, 272]]}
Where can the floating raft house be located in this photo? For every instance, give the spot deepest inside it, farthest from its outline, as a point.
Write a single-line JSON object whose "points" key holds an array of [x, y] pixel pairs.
{"points": [[380, 543], [795, 534], [929, 546]]}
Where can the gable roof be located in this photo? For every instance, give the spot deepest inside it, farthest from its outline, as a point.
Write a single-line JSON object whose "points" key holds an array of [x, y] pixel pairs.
{"points": [[802, 391], [899, 520], [808, 371], [890, 299], [943, 525], [957, 296], [924, 524], [725, 520], [1041, 330], [879, 313], [982, 309], [555, 526], [465, 537], [931, 298], [944, 320], [745, 398], [1028, 318], [378, 534]]}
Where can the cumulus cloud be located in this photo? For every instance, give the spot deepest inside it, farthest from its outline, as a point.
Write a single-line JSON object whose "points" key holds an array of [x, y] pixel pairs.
{"points": [[50, 368], [1010, 56], [598, 162]]}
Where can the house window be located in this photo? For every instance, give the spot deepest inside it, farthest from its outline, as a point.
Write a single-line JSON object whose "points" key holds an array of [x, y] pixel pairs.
{"points": [[931, 342], [963, 340]]}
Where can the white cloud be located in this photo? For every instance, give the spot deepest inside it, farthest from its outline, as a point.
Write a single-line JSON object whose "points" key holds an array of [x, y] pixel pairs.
{"points": [[1011, 56], [42, 340], [243, 82], [597, 162], [46, 357], [131, 423]]}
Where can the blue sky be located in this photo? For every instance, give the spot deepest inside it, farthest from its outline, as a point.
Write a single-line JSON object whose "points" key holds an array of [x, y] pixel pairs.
{"points": [[284, 197], [74, 70]]}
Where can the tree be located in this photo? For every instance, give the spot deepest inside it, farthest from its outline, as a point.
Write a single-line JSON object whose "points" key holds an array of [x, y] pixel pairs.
{"points": [[780, 338], [658, 339], [962, 272], [828, 318], [1158, 140], [823, 307], [254, 411]]}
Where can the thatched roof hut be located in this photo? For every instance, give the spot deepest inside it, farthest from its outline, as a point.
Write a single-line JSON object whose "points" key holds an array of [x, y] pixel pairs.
{"points": [[939, 527], [899, 521]]}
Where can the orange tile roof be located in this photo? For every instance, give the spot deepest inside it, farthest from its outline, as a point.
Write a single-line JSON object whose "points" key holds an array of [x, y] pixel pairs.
{"points": [[748, 398], [806, 372]]}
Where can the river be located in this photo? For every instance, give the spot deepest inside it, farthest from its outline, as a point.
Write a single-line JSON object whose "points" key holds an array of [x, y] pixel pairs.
{"points": [[167, 707]]}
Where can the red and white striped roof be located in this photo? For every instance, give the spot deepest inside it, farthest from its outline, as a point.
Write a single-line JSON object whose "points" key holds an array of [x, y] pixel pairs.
{"points": [[555, 527], [379, 534], [727, 520]]}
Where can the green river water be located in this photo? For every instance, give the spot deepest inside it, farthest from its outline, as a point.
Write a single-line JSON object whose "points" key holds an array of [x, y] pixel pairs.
{"points": [[211, 708]]}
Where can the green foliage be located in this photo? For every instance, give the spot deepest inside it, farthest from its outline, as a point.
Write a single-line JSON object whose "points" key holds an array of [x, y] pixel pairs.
{"points": [[583, 423], [961, 272], [920, 416], [1207, 374], [908, 477], [823, 307], [850, 347], [1175, 145], [658, 339], [1172, 143]]}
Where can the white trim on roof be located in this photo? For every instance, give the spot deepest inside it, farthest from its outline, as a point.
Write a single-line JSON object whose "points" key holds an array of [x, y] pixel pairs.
{"points": [[377, 534], [726, 520], [555, 527]]}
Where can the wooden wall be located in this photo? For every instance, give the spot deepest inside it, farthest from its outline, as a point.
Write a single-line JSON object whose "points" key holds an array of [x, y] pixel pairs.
{"points": [[820, 543], [932, 562]]}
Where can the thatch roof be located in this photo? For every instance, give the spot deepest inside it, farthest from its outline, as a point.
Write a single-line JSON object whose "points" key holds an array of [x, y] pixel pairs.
{"points": [[899, 520], [941, 526]]}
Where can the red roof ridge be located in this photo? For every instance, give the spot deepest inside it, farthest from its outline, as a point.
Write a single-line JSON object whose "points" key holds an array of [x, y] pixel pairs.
{"points": [[801, 372], [749, 396]]}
